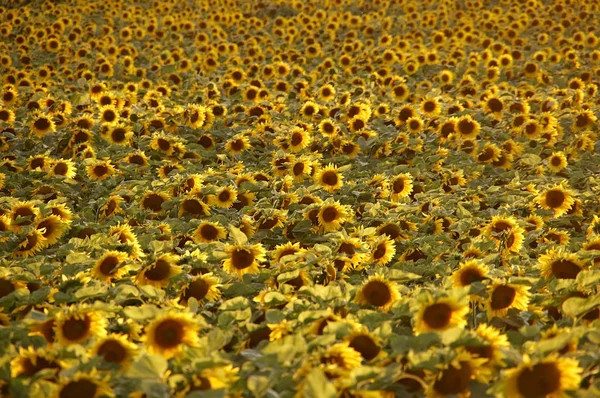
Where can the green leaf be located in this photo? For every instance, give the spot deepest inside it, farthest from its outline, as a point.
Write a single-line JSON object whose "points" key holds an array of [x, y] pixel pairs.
{"points": [[140, 313], [258, 385], [238, 236], [552, 345], [588, 278], [274, 316], [238, 303], [148, 366], [576, 306], [317, 385], [287, 348]]}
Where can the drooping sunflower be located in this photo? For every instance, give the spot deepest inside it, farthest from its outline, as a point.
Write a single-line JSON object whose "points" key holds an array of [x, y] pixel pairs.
{"points": [[78, 325], [504, 296], [112, 206], [378, 292], [138, 158], [470, 271], [110, 266], [560, 264], [329, 178], [513, 242], [153, 201], [52, 228], [243, 259], [168, 334], [202, 287], [551, 376], [169, 169], [437, 315], [332, 214], [115, 348], [30, 361], [559, 198], [401, 186], [383, 249], [100, 170], [62, 167], [207, 232], [125, 235], [89, 385], [159, 273]]}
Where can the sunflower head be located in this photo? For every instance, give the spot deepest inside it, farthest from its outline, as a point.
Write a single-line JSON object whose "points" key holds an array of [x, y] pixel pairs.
{"points": [[168, 334], [437, 315], [243, 258], [115, 348], [378, 292], [504, 296], [77, 326]]}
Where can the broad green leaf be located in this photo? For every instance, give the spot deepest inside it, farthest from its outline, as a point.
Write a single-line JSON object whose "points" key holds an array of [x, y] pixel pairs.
{"points": [[148, 366], [317, 386]]}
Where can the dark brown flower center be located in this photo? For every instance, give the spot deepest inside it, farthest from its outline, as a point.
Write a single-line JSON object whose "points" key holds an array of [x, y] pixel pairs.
{"points": [[555, 198], [454, 380], [329, 214], [6, 287], [112, 351], [502, 297], [74, 329], [42, 124], [193, 206], [466, 127], [470, 275], [437, 316], [398, 185], [41, 363], [153, 202], [377, 293], [366, 346], [23, 212], [242, 258], [482, 351], [197, 289], [159, 271], [108, 265], [539, 381], [380, 251], [78, 389], [209, 232], [118, 134], [168, 334], [330, 178], [100, 170], [565, 269]]}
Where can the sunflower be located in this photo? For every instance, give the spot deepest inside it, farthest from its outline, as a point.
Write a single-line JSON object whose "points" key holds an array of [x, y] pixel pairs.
{"points": [[301, 168], [237, 144], [430, 107], [207, 232], [557, 161], [169, 168], [454, 378], [493, 341], [34, 242], [112, 206], [100, 170], [504, 296], [470, 271], [340, 356], [42, 125], [77, 326], [168, 334], [365, 343], [195, 115], [402, 186], [115, 348], [159, 273], [560, 264], [309, 109], [328, 127], [559, 198], [329, 178], [437, 315], [243, 259], [332, 214], [551, 376], [110, 266], [298, 139], [52, 228], [194, 206], [202, 287], [109, 115], [224, 197], [138, 158], [125, 235], [327, 93], [38, 162], [153, 201], [467, 127], [286, 249], [118, 134], [23, 214], [31, 361], [220, 377], [89, 385], [513, 241], [162, 143], [63, 168], [383, 250], [378, 292]]}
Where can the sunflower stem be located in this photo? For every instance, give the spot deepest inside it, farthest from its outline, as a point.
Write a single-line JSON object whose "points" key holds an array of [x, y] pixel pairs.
{"points": [[474, 312]]}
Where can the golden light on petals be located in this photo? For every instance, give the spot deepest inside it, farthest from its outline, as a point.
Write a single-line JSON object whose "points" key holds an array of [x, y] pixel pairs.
{"points": [[170, 333]]}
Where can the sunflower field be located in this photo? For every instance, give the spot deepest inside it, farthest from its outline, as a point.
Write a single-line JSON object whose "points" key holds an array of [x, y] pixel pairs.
{"points": [[299, 198]]}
